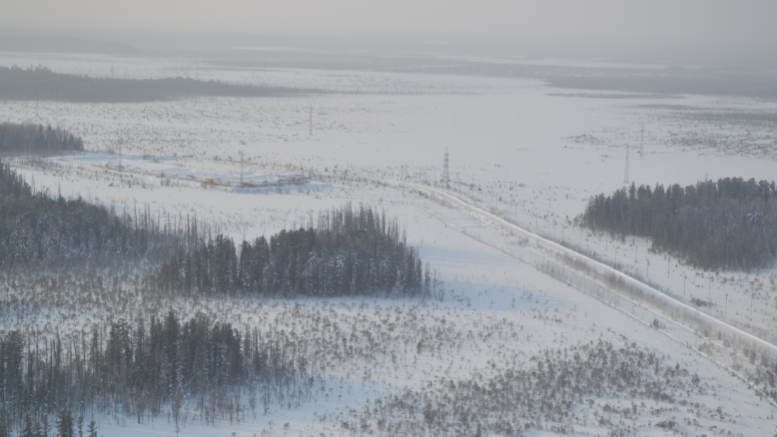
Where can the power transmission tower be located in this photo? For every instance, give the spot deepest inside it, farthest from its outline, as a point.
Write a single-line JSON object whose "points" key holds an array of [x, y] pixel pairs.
{"points": [[403, 173], [626, 173], [445, 176], [642, 141], [241, 168]]}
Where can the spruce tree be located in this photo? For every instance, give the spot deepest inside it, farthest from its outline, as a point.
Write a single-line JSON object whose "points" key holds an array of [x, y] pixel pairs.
{"points": [[45, 427], [64, 424], [92, 429], [29, 430], [5, 427]]}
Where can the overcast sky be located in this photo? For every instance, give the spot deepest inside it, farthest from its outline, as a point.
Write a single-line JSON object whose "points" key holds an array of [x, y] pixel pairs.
{"points": [[649, 21]]}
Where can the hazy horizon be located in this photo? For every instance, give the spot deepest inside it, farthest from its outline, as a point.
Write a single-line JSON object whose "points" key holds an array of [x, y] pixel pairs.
{"points": [[661, 31]]}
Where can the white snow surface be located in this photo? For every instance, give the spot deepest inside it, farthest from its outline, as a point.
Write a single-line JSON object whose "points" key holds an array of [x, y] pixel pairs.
{"points": [[516, 151]]}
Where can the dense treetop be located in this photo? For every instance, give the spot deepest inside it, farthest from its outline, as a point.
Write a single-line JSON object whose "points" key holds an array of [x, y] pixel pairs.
{"points": [[730, 223], [348, 253], [37, 230], [144, 369], [29, 137]]}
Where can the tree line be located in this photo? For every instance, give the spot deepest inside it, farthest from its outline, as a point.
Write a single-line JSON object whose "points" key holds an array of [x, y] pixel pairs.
{"points": [[28, 137], [674, 83], [38, 230], [347, 253], [726, 224], [154, 367], [65, 423], [40, 83]]}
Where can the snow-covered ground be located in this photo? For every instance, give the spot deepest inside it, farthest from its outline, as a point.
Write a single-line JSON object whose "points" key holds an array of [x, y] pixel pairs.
{"points": [[517, 148]]}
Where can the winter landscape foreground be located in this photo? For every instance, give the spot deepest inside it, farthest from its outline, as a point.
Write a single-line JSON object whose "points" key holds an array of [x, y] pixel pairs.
{"points": [[525, 334]]}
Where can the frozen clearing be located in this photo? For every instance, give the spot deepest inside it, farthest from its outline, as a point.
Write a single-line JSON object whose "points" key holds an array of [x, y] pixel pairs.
{"points": [[526, 156]]}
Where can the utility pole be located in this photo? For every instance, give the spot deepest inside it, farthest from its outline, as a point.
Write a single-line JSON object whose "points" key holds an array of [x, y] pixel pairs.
{"points": [[403, 172], [445, 176], [310, 124], [626, 173], [725, 308], [752, 298], [241, 168]]}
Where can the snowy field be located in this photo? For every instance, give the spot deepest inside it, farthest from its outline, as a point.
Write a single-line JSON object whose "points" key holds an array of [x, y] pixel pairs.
{"points": [[519, 149]]}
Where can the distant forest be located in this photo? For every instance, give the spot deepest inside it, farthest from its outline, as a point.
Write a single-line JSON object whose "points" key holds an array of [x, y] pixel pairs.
{"points": [[728, 224], [348, 253], [144, 368], [40, 83], [674, 82], [37, 230], [29, 138]]}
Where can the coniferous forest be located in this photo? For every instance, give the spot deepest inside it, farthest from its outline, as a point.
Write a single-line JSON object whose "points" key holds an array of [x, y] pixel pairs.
{"points": [[146, 370], [726, 224], [164, 366], [37, 230], [348, 253], [30, 138]]}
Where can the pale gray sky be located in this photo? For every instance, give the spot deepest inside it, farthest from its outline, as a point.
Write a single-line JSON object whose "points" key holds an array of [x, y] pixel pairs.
{"points": [[657, 21]]}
